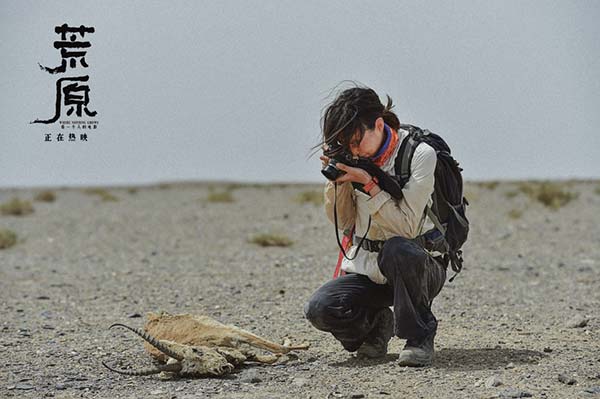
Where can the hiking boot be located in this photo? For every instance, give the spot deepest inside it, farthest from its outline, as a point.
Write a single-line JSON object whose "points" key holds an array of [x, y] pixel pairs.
{"points": [[376, 343], [417, 353]]}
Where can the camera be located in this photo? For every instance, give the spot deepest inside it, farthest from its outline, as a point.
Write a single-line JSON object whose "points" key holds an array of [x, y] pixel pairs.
{"points": [[337, 153]]}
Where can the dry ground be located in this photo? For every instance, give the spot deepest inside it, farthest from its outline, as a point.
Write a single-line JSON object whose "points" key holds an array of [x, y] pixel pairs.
{"points": [[85, 261]]}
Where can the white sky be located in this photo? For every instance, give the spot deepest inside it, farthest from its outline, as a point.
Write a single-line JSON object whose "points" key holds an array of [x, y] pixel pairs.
{"points": [[233, 90]]}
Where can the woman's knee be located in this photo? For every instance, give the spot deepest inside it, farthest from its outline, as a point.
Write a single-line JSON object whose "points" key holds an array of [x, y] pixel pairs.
{"points": [[322, 310], [315, 310]]}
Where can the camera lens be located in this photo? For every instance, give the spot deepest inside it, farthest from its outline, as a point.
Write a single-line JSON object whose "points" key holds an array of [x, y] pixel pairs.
{"points": [[330, 171]]}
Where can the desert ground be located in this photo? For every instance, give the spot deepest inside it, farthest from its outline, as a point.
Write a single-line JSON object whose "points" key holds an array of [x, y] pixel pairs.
{"points": [[521, 320]]}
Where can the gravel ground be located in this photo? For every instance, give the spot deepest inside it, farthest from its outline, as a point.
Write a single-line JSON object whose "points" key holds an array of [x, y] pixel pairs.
{"points": [[82, 263]]}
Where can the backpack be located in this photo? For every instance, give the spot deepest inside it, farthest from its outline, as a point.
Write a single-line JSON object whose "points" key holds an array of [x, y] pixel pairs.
{"points": [[449, 205]]}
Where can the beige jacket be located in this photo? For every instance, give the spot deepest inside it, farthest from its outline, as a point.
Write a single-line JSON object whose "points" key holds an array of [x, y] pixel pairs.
{"points": [[389, 217]]}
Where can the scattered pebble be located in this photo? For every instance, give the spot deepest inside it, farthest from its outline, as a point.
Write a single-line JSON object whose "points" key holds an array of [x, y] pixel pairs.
{"points": [[593, 390], [566, 380], [300, 381], [357, 395], [547, 350], [514, 393], [493, 381], [577, 321], [24, 387], [251, 377]]}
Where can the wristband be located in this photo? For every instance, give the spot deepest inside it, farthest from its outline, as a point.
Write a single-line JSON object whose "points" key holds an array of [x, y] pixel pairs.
{"points": [[369, 186]]}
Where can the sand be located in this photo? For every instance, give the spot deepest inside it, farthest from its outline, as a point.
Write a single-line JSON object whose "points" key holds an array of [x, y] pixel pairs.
{"points": [[82, 263]]}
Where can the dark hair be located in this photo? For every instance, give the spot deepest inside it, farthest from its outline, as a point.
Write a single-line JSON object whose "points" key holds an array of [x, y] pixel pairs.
{"points": [[354, 109]]}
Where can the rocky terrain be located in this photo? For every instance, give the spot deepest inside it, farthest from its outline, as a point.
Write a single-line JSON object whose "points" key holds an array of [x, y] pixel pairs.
{"points": [[521, 320]]}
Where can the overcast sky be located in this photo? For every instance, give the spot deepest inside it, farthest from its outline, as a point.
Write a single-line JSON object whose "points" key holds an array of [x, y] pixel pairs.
{"points": [[233, 90]]}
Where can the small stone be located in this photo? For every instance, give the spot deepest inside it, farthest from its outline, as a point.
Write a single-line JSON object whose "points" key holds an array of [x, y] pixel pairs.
{"points": [[157, 392], [577, 321], [24, 387], [493, 381], [593, 390], [357, 395], [514, 393], [510, 365], [86, 386], [251, 377], [547, 350], [300, 381], [60, 386], [566, 380]]}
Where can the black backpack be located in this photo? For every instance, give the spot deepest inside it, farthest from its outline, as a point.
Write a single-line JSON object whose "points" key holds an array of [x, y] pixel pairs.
{"points": [[449, 205]]}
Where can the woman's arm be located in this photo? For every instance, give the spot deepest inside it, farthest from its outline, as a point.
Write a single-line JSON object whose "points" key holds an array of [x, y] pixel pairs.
{"points": [[346, 206]]}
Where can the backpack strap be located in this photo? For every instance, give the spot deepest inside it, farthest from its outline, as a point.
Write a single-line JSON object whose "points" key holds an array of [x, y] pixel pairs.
{"points": [[405, 154], [402, 168]]}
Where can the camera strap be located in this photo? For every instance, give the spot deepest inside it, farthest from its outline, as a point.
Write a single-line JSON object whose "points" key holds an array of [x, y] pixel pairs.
{"points": [[337, 233]]}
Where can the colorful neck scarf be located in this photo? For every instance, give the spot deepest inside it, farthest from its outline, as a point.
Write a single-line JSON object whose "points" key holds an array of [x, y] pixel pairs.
{"points": [[387, 148]]}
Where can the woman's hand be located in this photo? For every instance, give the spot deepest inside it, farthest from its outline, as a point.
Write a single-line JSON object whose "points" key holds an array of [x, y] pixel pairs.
{"points": [[352, 174], [324, 161]]}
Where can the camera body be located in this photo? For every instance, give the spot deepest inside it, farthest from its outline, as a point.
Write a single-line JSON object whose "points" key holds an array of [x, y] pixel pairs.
{"points": [[337, 153]]}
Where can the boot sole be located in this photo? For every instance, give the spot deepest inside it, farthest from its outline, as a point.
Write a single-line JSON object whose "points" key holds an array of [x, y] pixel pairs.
{"points": [[414, 360]]}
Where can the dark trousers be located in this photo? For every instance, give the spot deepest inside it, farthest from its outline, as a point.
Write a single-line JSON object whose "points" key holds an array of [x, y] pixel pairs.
{"points": [[346, 306]]}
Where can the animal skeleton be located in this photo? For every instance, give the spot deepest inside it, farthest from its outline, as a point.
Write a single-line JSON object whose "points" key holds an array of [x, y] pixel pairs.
{"points": [[198, 346]]}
